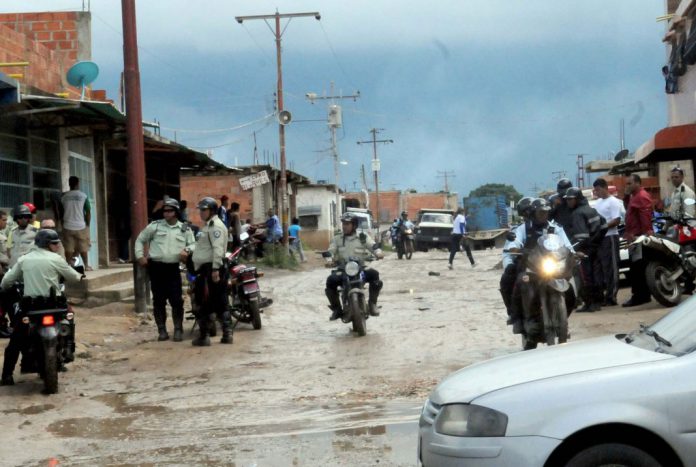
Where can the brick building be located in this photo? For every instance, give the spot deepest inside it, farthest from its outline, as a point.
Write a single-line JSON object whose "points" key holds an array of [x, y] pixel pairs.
{"points": [[392, 203]]}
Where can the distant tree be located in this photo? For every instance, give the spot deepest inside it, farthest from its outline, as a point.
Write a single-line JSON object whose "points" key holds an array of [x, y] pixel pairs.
{"points": [[495, 189]]}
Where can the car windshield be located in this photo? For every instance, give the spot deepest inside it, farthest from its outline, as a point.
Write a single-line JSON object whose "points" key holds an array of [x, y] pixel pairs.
{"points": [[674, 333], [437, 218]]}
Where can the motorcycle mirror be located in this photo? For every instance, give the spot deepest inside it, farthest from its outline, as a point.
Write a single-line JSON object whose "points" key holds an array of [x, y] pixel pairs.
{"points": [[243, 236], [689, 201]]}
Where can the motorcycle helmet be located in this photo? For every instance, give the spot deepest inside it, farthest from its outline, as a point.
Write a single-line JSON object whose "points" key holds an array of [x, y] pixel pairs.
{"points": [[553, 199], [46, 237], [21, 211], [32, 208], [404, 213], [171, 203], [352, 218], [540, 204], [562, 185], [573, 192], [206, 203], [523, 206]]}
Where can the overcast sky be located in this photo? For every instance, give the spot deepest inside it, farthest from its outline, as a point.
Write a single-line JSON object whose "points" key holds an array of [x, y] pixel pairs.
{"points": [[493, 90]]}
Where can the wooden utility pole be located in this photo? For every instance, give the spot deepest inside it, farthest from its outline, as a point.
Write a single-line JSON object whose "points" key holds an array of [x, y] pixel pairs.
{"points": [[281, 125], [136, 146], [376, 165]]}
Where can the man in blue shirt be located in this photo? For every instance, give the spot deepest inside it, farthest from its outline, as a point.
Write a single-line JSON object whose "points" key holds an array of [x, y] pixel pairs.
{"points": [[458, 233], [274, 231], [294, 238]]}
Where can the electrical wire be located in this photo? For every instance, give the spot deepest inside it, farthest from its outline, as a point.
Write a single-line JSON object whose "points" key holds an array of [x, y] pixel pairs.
{"points": [[219, 130]]}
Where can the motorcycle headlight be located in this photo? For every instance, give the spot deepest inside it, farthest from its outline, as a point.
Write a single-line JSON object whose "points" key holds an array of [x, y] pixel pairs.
{"points": [[352, 268], [551, 266], [468, 420]]}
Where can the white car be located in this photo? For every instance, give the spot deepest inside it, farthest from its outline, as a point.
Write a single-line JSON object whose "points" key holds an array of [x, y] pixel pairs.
{"points": [[628, 399]]}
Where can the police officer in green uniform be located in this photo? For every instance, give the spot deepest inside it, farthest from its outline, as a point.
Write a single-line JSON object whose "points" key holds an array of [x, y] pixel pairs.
{"points": [[40, 270], [169, 241], [21, 237], [349, 244], [208, 258]]}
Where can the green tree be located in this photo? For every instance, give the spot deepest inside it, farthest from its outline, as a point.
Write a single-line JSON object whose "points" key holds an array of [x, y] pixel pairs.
{"points": [[494, 189]]}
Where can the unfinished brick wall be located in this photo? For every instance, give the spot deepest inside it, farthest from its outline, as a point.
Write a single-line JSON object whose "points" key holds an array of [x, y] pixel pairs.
{"points": [[391, 203], [51, 42], [195, 187]]}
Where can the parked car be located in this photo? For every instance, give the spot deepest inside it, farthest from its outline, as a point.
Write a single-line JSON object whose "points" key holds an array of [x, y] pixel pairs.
{"points": [[626, 399], [433, 228]]}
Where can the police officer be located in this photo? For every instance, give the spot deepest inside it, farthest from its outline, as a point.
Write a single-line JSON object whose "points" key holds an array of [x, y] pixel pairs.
{"points": [[169, 241], [208, 260], [349, 244], [21, 238], [562, 214], [40, 270]]}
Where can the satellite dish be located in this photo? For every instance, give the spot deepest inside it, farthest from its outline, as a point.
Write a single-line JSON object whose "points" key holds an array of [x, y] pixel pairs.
{"points": [[82, 74], [621, 155], [284, 117]]}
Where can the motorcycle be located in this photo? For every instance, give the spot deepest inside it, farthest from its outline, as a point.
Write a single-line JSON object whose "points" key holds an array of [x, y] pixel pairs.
{"points": [[669, 256], [352, 293], [405, 242], [547, 291], [48, 325], [245, 301]]}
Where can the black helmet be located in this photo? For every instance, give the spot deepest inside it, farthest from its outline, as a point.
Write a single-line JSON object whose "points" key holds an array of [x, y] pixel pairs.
{"points": [[562, 185], [523, 205], [45, 237], [349, 217], [21, 211], [540, 204], [208, 203], [171, 203], [553, 198], [573, 192]]}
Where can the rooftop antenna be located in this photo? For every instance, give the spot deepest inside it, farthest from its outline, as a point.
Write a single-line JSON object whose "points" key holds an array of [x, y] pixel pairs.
{"points": [[81, 74]]}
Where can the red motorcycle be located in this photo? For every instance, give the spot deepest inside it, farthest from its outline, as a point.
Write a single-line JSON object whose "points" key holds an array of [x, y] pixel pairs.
{"points": [[244, 293]]}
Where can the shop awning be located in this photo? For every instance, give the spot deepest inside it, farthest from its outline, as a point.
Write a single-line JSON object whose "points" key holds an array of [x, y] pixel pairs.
{"points": [[669, 144], [49, 111]]}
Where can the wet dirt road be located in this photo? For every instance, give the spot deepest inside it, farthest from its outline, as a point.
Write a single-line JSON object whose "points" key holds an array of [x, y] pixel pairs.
{"points": [[301, 391]]}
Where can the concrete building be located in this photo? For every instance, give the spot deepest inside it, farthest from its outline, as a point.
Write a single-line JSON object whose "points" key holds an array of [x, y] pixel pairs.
{"points": [[316, 211]]}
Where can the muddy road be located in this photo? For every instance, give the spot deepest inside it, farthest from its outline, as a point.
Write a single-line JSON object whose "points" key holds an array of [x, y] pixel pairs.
{"points": [[301, 391]]}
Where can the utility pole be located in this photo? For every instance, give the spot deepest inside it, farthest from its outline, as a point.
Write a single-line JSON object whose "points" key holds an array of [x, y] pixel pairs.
{"points": [[376, 165], [580, 164], [136, 146], [256, 151], [446, 174], [558, 174], [335, 120], [281, 124]]}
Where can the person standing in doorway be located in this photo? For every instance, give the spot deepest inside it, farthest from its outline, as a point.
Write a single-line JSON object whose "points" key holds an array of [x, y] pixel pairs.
{"points": [[457, 238], [76, 217]]}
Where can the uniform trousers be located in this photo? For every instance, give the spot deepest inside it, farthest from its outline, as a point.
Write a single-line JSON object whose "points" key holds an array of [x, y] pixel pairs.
{"points": [[165, 280]]}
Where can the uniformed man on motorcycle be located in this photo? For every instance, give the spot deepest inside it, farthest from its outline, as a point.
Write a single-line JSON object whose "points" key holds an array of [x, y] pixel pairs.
{"points": [[169, 241], [526, 236], [507, 280], [40, 270], [208, 260], [349, 244]]}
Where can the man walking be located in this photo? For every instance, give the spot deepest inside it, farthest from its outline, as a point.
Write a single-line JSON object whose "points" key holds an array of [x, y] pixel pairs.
{"points": [[681, 192], [76, 216], [611, 209], [169, 241], [458, 233], [638, 222]]}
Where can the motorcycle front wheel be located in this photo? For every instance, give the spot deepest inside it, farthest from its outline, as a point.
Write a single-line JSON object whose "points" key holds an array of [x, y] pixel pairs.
{"points": [[667, 292], [409, 248], [357, 303]]}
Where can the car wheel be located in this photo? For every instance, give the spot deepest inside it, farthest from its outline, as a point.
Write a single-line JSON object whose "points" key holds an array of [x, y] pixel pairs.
{"points": [[613, 454]]}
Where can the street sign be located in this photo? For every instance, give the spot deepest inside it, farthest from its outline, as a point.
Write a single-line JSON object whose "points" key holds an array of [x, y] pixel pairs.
{"points": [[261, 178], [375, 165]]}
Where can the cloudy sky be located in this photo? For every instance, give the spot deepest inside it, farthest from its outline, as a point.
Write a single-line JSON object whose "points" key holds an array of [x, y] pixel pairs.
{"points": [[492, 90]]}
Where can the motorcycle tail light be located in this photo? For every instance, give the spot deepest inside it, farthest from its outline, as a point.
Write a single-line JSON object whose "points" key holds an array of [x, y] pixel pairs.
{"points": [[48, 320]]}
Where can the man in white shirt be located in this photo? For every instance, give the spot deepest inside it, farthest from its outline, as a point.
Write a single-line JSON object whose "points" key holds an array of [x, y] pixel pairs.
{"points": [[76, 216], [611, 208], [677, 208], [458, 234]]}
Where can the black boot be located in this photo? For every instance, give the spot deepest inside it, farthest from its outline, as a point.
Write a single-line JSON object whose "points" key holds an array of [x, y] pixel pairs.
{"points": [[374, 293], [202, 340], [160, 315], [178, 318], [226, 328], [7, 381], [334, 303]]}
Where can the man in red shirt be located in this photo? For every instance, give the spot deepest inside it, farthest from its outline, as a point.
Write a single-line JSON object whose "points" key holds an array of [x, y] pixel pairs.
{"points": [[638, 222]]}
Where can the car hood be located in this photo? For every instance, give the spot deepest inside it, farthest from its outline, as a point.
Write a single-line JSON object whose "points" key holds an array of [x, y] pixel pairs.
{"points": [[433, 224], [548, 362]]}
